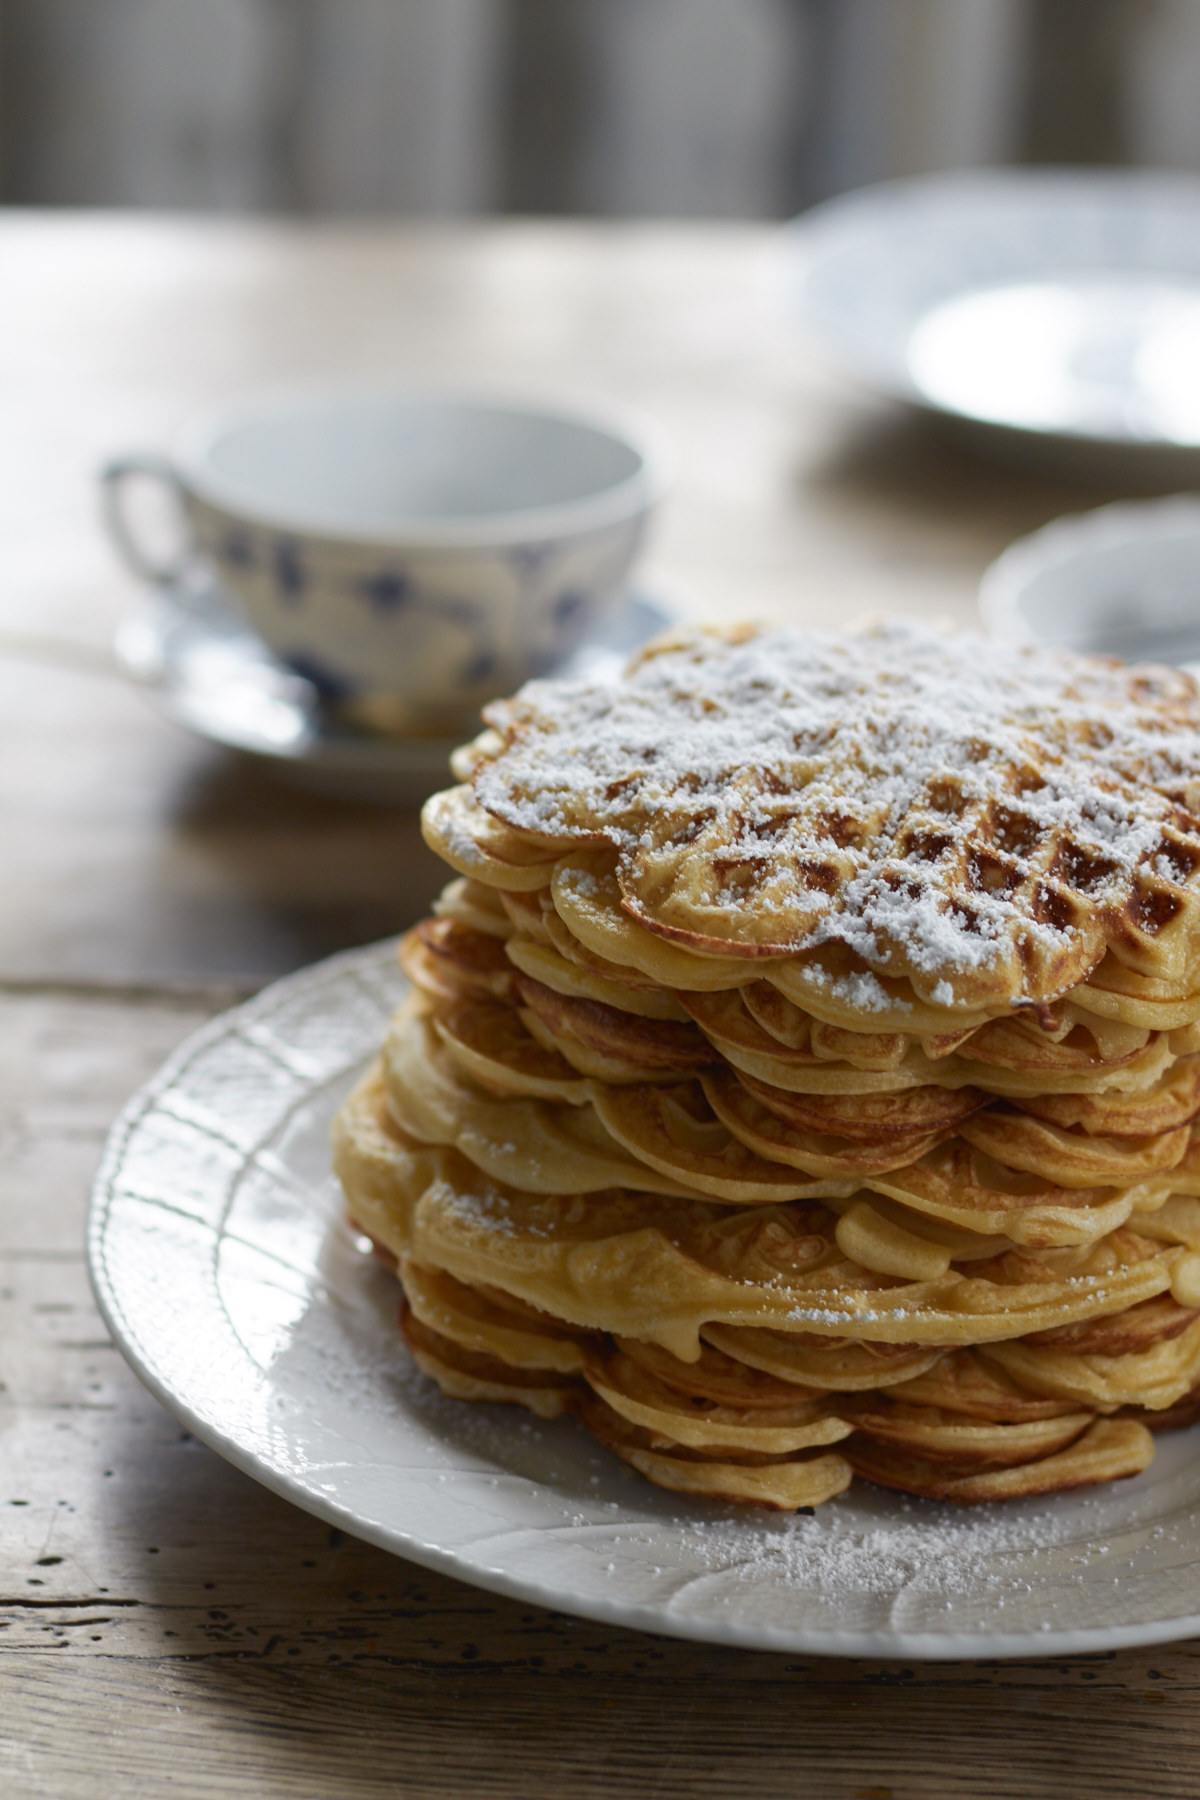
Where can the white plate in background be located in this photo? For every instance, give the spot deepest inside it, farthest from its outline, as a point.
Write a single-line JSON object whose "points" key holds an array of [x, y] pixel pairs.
{"points": [[1049, 308], [230, 1280]]}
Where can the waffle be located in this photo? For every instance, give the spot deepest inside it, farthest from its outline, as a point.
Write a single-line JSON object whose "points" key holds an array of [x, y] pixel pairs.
{"points": [[980, 830], [801, 1080]]}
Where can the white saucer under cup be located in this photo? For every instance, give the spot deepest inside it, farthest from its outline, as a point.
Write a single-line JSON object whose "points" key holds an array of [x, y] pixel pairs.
{"points": [[200, 665]]}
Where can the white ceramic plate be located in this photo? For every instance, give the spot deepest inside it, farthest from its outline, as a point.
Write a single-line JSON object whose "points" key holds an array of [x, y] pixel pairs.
{"points": [[1042, 305], [229, 1279], [1121, 581]]}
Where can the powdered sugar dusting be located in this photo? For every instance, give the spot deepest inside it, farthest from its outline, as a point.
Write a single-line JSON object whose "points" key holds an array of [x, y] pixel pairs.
{"points": [[896, 792], [945, 1551]]}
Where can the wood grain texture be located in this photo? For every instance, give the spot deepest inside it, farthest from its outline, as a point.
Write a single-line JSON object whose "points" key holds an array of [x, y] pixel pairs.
{"points": [[166, 1626], [153, 859]]}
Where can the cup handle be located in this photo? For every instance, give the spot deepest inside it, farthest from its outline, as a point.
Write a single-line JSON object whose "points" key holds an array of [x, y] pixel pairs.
{"points": [[163, 571]]}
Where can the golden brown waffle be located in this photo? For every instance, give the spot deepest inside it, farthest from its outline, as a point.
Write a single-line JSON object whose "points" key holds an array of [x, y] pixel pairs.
{"points": [[664, 1269], [755, 1414], [802, 1079], [980, 822]]}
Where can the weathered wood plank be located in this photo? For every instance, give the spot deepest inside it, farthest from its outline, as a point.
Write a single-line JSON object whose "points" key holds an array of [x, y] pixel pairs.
{"points": [[357, 1726], [156, 858], [67, 1064]]}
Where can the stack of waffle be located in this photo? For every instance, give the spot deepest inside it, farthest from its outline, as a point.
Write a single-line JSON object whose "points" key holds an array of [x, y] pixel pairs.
{"points": [[798, 1081]]}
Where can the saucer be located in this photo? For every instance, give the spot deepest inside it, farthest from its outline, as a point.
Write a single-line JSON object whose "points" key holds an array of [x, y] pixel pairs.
{"points": [[186, 645], [1054, 312]]}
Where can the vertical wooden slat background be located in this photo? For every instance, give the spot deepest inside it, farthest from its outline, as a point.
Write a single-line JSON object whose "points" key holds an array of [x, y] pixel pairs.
{"points": [[632, 107]]}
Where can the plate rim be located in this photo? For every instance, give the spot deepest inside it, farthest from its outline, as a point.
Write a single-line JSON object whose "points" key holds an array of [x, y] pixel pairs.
{"points": [[875, 1644]]}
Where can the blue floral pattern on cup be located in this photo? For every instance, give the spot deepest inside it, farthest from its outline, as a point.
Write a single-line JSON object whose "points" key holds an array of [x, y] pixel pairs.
{"points": [[422, 620], [460, 625]]}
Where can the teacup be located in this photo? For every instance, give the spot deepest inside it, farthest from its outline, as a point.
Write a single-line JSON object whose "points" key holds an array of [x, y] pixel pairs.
{"points": [[412, 554]]}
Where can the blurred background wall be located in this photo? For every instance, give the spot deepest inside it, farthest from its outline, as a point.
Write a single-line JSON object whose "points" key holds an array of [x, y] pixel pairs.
{"points": [[703, 108]]}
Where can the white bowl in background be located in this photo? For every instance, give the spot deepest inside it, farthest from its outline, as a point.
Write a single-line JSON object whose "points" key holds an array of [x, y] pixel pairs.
{"points": [[1121, 581], [411, 554]]}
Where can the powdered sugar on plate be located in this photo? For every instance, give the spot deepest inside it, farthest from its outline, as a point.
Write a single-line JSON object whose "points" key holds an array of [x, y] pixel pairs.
{"points": [[943, 1551]]}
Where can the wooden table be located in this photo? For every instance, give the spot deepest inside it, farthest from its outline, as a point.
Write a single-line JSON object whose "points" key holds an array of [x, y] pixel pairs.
{"points": [[169, 1627]]}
